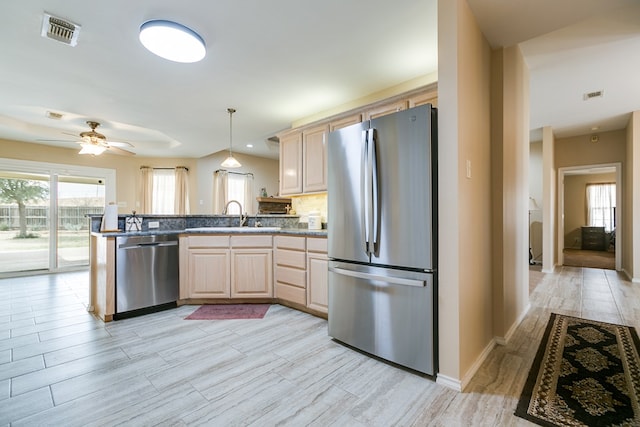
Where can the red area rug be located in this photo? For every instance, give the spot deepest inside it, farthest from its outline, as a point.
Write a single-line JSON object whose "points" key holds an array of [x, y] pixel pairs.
{"points": [[229, 311]]}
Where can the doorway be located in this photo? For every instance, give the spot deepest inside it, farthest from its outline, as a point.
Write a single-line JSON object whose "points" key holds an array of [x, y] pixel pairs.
{"points": [[584, 242]]}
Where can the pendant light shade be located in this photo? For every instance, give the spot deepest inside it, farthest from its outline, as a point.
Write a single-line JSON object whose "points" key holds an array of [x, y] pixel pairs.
{"points": [[230, 162]]}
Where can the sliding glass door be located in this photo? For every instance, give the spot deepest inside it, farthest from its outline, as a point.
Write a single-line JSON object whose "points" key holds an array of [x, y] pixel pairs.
{"points": [[76, 198], [43, 214], [24, 221]]}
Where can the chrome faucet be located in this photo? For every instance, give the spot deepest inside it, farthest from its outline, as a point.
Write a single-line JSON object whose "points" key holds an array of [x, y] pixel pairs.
{"points": [[243, 217]]}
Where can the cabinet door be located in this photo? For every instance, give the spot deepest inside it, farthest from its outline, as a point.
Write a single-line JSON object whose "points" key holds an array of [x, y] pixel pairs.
{"points": [[383, 110], [430, 97], [314, 165], [208, 274], [251, 273], [318, 288], [291, 163], [345, 121]]}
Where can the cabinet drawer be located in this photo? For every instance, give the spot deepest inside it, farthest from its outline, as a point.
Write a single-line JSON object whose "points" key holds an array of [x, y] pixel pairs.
{"points": [[317, 244], [290, 258], [291, 293], [251, 241], [291, 276], [290, 242], [208, 241]]}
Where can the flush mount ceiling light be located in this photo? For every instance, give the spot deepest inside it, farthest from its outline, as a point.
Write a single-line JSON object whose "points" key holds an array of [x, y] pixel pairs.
{"points": [[172, 41], [230, 162]]}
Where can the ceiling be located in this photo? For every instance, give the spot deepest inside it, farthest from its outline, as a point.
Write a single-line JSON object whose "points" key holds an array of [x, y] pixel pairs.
{"points": [[280, 61]]}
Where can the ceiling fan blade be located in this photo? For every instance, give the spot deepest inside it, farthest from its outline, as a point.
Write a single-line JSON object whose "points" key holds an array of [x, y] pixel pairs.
{"points": [[119, 144], [55, 140], [116, 150]]}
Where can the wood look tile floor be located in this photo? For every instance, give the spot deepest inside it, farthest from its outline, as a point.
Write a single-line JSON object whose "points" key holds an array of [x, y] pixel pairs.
{"points": [[60, 366]]}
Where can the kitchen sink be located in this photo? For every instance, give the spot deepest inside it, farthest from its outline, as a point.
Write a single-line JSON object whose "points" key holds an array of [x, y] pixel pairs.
{"points": [[233, 229]]}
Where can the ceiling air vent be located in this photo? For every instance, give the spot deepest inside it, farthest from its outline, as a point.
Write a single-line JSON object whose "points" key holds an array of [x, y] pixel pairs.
{"points": [[591, 95], [60, 30]]}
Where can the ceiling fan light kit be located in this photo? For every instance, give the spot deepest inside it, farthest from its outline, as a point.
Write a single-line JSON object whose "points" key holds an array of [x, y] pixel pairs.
{"points": [[230, 162], [94, 149], [172, 41], [95, 143]]}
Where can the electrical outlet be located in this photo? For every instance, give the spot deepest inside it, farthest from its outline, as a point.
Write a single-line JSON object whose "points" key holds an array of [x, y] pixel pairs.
{"points": [[154, 224]]}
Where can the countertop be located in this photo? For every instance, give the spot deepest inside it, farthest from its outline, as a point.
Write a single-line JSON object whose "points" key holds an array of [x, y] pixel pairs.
{"points": [[219, 230]]}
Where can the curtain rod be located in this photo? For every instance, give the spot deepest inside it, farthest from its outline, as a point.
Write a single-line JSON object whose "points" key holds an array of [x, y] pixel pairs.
{"points": [[177, 167], [235, 173]]}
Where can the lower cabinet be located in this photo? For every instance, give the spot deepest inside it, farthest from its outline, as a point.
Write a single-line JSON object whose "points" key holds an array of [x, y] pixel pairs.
{"points": [[317, 274], [290, 268], [226, 266]]}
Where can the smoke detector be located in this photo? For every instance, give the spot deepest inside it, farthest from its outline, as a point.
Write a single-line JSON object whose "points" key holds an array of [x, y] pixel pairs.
{"points": [[590, 95], [60, 30]]}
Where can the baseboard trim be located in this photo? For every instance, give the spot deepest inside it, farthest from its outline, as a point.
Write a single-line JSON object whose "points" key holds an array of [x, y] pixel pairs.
{"points": [[452, 383], [512, 330]]}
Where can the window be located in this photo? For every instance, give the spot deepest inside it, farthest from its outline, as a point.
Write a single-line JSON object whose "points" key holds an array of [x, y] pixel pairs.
{"points": [[164, 191], [232, 186], [601, 205]]}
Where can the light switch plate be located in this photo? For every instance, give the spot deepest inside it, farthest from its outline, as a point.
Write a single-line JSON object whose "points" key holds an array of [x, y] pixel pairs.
{"points": [[154, 224]]}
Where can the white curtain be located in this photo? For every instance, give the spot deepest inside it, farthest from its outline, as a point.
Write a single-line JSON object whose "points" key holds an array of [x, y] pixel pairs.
{"points": [[164, 190], [601, 202], [233, 186], [146, 189], [219, 191], [181, 202]]}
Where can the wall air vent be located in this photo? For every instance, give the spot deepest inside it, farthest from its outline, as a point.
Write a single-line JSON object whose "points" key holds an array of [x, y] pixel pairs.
{"points": [[590, 95], [53, 115], [59, 29]]}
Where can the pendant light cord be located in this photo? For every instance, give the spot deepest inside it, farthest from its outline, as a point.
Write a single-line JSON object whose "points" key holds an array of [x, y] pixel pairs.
{"points": [[231, 111]]}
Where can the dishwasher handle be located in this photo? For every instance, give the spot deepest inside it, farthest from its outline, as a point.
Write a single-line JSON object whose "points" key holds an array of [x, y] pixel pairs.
{"points": [[150, 244]]}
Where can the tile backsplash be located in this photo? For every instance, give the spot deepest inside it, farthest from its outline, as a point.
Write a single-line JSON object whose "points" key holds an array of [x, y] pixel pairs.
{"points": [[308, 203]]}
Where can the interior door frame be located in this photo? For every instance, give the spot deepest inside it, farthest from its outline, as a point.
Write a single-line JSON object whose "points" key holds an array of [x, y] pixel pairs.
{"points": [[619, 207]]}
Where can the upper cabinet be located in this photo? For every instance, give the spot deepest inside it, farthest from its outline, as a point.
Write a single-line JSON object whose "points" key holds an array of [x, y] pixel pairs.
{"points": [[384, 109], [314, 154], [291, 163], [303, 151]]}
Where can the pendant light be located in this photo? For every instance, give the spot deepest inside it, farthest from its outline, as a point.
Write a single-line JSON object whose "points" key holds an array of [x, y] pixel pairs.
{"points": [[230, 162]]}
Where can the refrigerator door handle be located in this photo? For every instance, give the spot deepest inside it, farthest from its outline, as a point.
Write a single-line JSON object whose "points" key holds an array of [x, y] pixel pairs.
{"points": [[379, 277], [370, 191], [363, 192], [375, 199]]}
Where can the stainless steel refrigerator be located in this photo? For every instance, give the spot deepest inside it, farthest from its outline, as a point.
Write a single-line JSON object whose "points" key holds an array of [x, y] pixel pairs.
{"points": [[382, 226]]}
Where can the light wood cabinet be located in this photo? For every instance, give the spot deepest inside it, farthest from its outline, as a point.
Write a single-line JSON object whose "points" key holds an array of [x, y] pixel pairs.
{"points": [[317, 274], [430, 97], [314, 165], [345, 121], [291, 163], [209, 273], [290, 269], [251, 266], [224, 266], [384, 109]]}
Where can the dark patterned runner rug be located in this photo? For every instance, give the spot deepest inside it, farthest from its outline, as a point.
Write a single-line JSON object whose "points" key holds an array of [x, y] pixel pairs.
{"points": [[586, 373]]}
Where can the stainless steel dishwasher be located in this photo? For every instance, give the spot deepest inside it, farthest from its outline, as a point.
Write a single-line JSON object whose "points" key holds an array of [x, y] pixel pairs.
{"points": [[147, 276]]}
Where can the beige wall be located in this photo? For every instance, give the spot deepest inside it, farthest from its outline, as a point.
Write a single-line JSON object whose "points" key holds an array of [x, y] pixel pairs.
{"points": [[265, 174], [549, 191], [575, 205], [128, 171], [580, 151], [631, 240], [127, 167], [465, 308], [510, 164]]}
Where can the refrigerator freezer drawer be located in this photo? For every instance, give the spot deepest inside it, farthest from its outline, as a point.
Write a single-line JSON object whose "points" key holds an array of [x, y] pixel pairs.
{"points": [[384, 312]]}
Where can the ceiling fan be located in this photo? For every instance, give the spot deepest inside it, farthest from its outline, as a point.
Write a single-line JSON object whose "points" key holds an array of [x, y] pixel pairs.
{"points": [[96, 143]]}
